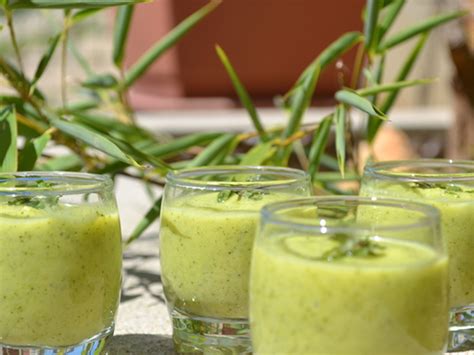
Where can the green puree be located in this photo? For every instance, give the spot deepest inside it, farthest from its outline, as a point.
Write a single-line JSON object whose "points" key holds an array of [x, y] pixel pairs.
{"points": [[456, 205], [60, 273], [205, 249], [392, 304]]}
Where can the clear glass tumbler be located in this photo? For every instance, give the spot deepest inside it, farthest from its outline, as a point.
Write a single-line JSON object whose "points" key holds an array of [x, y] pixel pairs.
{"points": [[449, 186], [60, 263], [208, 223], [349, 275]]}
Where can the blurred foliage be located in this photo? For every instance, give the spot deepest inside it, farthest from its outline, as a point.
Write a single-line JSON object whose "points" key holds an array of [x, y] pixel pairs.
{"points": [[101, 136]]}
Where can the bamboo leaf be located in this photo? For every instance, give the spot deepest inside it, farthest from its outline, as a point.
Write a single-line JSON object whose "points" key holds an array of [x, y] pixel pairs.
{"points": [[142, 65], [82, 15], [122, 27], [66, 4], [211, 151], [152, 215], [103, 81], [242, 93], [92, 138], [352, 98], [370, 23], [8, 140], [374, 124], [32, 151], [340, 118], [167, 149], [377, 89], [139, 155], [318, 146], [335, 50], [299, 104], [417, 29], [80, 59], [17, 80], [302, 92], [329, 162], [80, 106], [107, 125], [259, 154], [225, 152], [391, 14], [67, 162], [46, 58]]}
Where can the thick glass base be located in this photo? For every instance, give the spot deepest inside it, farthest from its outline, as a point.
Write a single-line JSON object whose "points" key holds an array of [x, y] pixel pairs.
{"points": [[201, 335], [92, 346], [461, 329]]}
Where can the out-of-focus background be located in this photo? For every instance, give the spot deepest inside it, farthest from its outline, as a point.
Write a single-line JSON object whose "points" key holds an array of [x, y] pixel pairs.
{"points": [[270, 42]]}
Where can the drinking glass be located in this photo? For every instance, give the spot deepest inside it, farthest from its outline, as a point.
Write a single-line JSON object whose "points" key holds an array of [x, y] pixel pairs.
{"points": [[449, 186], [60, 262], [208, 222], [329, 276]]}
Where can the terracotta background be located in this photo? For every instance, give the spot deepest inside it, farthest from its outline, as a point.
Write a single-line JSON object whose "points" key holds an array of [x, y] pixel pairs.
{"points": [[269, 42]]}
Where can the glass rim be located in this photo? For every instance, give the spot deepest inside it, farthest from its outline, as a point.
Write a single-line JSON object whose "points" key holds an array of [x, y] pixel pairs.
{"points": [[381, 170], [186, 177], [69, 183], [431, 215]]}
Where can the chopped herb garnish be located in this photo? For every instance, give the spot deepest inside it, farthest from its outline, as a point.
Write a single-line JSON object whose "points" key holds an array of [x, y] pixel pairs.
{"points": [[224, 195], [448, 188], [351, 246], [38, 202], [254, 194]]}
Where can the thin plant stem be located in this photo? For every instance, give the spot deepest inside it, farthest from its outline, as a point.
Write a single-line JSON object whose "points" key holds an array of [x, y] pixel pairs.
{"points": [[16, 48], [359, 59], [124, 98], [64, 57]]}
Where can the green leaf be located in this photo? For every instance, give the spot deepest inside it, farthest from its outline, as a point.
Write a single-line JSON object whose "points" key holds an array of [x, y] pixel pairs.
{"points": [[334, 51], [329, 162], [168, 149], [67, 162], [142, 65], [32, 151], [92, 138], [103, 81], [302, 92], [374, 123], [301, 100], [370, 23], [82, 15], [352, 98], [212, 150], [331, 176], [377, 89], [122, 27], [110, 126], [340, 118], [259, 154], [80, 59], [17, 80], [46, 58], [242, 93], [391, 14], [320, 140], [8, 140], [152, 215], [139, 155], [66, 4], [419, 28], [225, 152]]}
